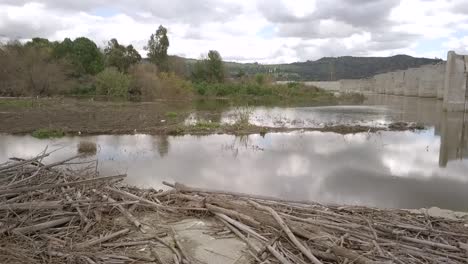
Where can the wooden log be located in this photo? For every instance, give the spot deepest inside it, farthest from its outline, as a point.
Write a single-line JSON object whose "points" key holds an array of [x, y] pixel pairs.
{"points": [[124, 211], [429, 243], [184, 188], [21, 163], [288, 232], [39, 205], [42, 226], [351, 255], [183, 252], [278, 255], [249, 220], [132, 196], [57, 185], [78, 209], [96, 241], [241, 226], [249, 243]]}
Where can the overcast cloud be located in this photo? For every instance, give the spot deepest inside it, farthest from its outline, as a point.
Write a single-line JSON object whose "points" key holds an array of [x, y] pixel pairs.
{"points": [[266, 31]]}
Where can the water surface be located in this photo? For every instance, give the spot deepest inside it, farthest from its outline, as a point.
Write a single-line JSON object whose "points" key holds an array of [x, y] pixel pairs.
{"points": [[385, 169]]}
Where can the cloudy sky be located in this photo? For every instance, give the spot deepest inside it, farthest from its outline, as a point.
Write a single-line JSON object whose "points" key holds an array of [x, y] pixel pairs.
{"points": [[266, 31]]}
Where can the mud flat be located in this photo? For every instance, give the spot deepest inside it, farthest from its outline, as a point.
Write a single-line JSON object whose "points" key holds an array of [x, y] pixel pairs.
{"points": [[65, 212]]}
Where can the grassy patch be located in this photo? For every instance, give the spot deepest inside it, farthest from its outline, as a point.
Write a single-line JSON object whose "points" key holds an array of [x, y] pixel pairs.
{"points": [[171, 115], [204, 125], [16, 103], [44, 133]]}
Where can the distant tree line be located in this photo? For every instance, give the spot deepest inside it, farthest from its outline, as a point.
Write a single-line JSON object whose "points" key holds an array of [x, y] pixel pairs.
{"points": [[79, 67], [41, 67]]}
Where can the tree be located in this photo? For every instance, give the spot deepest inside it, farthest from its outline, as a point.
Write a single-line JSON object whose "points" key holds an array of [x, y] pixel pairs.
{"points": [[82, 53], [87, 56], [119, 56], [215, 66], [210, 69], [157, 48]]}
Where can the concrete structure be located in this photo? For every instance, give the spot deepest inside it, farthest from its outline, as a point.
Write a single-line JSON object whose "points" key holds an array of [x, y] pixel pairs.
{"points": [[329, 86], [379, 83], [399, 82], [356, 85], [455, 82], [440, 79], [411, 82], [429, 81], [447, 81], [388, 83]]}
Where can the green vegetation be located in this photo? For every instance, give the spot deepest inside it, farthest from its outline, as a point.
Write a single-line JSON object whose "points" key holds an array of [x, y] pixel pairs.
{"points": [[44, 133], [210, 69], [259, 88], [111, 82], [80, 68], [206, 125], [17, 103], [171, 115]]}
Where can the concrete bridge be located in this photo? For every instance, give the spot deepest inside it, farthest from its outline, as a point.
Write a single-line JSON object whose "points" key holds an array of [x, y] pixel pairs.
{"points": [[446, 81]]}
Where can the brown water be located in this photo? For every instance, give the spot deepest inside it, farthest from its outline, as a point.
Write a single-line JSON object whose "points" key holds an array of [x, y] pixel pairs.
{"points": [[385, 169]]}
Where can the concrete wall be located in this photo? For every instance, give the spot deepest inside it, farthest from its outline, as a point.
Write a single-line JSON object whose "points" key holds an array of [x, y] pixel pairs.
{"points": [[399, 82], [411, 82], [429, 81], [329, 86], [455, 82], [379, 80], [447, 81], [356, 85]]}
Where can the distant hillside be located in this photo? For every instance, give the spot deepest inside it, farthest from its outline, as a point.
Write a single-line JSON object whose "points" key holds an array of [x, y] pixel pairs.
{"points": [[329, 68]]}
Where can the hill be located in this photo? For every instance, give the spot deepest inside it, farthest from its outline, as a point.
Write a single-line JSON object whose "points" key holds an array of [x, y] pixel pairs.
{"points": [[328, 68]]}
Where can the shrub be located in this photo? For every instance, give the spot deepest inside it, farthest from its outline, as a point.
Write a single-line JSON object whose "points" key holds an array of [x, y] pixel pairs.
{"points": [[149, 84], [111, 82]]}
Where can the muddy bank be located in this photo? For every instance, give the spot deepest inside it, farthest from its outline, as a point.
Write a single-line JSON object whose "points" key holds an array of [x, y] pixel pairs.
{"points": [[85, 117], [55, 213]]}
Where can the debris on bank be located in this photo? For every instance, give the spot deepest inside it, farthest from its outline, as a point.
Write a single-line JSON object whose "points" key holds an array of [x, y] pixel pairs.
{"points": [[65, 212]]}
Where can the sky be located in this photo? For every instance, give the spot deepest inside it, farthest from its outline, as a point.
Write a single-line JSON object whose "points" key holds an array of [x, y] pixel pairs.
{"points": [[264, 31]]}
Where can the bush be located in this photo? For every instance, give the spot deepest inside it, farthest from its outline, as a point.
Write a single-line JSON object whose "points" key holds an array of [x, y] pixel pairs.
{"points": [[111, 82], [149, 84], [28, 70]]}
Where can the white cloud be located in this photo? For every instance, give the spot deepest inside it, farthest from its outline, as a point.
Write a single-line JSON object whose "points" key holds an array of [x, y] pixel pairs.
{"points": [[295, 30]]}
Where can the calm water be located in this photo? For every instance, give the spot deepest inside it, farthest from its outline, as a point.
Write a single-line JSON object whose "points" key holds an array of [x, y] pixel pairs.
{"points": [[386, 169]]}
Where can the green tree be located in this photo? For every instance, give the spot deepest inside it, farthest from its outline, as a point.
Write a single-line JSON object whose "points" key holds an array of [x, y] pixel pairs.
{"points": [[157, 48], [215, 67], [119, 56], [82, 53], [210, 69], [87, 56]]}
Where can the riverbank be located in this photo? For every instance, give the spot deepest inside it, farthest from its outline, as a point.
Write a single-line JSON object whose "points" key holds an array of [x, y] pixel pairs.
{"points": [[59, 212], [58, 117]]}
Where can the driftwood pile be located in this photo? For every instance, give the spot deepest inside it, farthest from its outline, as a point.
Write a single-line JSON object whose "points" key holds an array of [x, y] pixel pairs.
{"points": [[65, 212]]}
